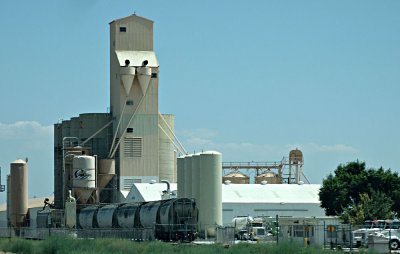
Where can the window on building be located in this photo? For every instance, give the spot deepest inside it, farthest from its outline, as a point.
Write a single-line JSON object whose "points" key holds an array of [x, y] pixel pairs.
{"points": [[122, 29], [129, 102], [129, 130]]}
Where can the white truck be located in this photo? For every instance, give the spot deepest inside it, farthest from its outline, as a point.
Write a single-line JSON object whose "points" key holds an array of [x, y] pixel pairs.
{"points": [[248, 228]]}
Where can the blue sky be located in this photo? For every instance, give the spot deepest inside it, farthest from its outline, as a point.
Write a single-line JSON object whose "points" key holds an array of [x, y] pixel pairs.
{"points": [[252, 79]]}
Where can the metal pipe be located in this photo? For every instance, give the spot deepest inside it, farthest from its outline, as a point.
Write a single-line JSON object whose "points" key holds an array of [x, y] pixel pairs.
{"points": [[119, 122], [111, 155], [168, 185], [96, 171], [63, 167], [173, 140], [176, 138]]}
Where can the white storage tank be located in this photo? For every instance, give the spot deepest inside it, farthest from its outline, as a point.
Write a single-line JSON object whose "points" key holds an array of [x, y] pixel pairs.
{"points": [[188, 176], [181, 176], [83, 177], [196, 178], [19, 192], [210, 214]]}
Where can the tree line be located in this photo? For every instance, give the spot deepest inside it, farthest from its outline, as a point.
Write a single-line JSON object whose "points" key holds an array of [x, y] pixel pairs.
{"points": [[356, 193]]}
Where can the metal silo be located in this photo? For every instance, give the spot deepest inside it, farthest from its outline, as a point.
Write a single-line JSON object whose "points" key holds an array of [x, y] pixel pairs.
{"points": [[181, 176], [210, 197], [196, 178], [236, 178], [19, 192], [166, 148], [105, 173], [269, 177], [83, 177], [188, 176]]}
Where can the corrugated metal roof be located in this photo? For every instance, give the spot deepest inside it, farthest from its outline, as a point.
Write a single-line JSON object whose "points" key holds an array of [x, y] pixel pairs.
{"points": [[270, 193], [136, 58], [246, 193]]}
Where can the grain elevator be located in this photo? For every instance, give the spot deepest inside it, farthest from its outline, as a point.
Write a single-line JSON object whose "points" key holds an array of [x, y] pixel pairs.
{"points": [[133, 136]]}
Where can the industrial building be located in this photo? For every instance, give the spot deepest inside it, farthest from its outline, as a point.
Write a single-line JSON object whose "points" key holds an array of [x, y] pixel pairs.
{"points": [[134, 134], [129, 160], [251, 199]]}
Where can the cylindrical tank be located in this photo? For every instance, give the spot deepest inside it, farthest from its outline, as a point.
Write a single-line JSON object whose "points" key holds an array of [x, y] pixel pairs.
{"points": [[83, 177], [67, 183], [236, 178], [128, 215], [166, 212], [211, 196], [105, 172], [188, 176], [106, 216], [295, 156], [8, 200], [196, 178], [84, 172], [87, 217], [166, 148], [270, 177], [148, 214], [181, 176], [19, 192]]}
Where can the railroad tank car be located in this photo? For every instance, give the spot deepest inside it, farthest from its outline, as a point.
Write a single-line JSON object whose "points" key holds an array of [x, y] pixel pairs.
{"points": [[171, 219], [177, 220], [127, 215], [149, 213], [87, 217], [106, 216]]}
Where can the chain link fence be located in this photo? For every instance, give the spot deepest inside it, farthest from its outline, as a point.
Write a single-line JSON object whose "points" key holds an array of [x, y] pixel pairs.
{"points": [[320, 233], [225, 235], [137, 234]]}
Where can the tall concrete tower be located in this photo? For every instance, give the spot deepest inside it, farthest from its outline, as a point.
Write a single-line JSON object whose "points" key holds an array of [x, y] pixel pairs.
{"points": [[134, 101]]}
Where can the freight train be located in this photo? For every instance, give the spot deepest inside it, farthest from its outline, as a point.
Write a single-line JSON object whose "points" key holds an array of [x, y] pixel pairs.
{"points": [[166, 220]]}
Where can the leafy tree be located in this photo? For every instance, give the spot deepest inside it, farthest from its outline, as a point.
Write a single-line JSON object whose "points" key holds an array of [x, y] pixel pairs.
{"points": [[378, 206], [346, 188]]}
